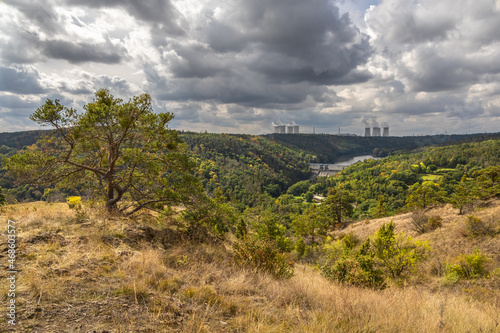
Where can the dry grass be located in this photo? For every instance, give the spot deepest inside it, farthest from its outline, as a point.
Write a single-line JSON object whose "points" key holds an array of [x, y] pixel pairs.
{"points": [[104, 273]]}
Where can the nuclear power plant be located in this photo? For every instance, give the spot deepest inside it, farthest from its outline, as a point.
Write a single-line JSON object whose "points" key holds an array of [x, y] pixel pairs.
{"points": [[280, 128], [372, 128]]}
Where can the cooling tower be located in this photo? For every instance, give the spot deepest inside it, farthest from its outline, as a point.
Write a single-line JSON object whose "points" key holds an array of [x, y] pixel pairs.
{"points": [[376, 131], [367, 131], [280, 129], [386, 131]]}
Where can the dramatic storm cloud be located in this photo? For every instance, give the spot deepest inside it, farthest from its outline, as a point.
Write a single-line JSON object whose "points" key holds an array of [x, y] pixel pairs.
{"points": [[423, 67]]}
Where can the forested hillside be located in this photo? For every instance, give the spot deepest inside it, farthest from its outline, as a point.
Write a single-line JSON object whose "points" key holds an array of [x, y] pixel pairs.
{"points": [[331, 148], [242, 168], [245, 169], [392, 184]]}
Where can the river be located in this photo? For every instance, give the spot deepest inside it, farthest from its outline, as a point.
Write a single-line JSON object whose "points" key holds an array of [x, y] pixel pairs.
{"points": [[343, 164]]}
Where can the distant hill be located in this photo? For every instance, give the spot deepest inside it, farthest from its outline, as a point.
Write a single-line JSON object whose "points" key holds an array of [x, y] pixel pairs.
{"points": [[19, 140], [326, 147], [332, 148]]}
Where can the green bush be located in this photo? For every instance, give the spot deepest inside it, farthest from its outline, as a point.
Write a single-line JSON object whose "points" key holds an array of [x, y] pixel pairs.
{"points": [[468, 266], [265, 256], [209, 221], [350, 240], [355, 268], [300, 247], [396, 252], [2, 197]]}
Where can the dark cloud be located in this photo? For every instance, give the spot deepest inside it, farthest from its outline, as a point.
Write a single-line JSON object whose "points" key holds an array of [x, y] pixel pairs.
{"points": [[290, 41], [81, 52], [437, 73], [161, 14], [239, 65], [265, 54], [20, 80], [88, 84], [196, 61], [15, 102], [224, 38], [20, 48]]}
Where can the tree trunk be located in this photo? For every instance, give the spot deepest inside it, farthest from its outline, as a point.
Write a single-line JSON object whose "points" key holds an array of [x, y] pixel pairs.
{"points": [[111, 206]]}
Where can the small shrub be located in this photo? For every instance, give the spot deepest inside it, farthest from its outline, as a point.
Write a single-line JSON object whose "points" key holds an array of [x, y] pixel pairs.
{"points": [[422, 223], [300, 247], [468, 266], [418, 221], [397, 253], [435, 222], [74, 202], [263, 255], [355, 268], [350, 240], [474, 226]]}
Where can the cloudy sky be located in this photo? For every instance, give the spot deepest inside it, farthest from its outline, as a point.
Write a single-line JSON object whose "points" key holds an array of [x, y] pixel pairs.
{"points": [[235, 66]]}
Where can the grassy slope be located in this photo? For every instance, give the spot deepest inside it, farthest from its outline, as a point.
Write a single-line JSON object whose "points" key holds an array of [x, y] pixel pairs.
{"points": [[121, 275]]}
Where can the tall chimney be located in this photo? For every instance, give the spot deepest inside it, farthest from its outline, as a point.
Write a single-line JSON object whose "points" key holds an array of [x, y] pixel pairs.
{"points": [[367, 131], [376, 131], [386, 131]]}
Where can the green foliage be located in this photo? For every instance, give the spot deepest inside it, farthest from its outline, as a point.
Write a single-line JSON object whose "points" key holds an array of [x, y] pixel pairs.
{"points": [[2, 198], [387, 254], [123, 149], [248, 169], [264, 256], [270, 229], [299, 188], [311, 223], [398, 254], [470, 266], [207, 221], [463, 195], [300, 247], [488, 181], [338, 205], [425, 194], [241, 229], [355, 268], [399, 179], [74, 202], [381, 209], [349, 241]]}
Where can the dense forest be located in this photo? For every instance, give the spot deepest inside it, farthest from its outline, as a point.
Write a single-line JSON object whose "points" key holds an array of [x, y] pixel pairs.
{"points": [[331, 148], [248, 170]]}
